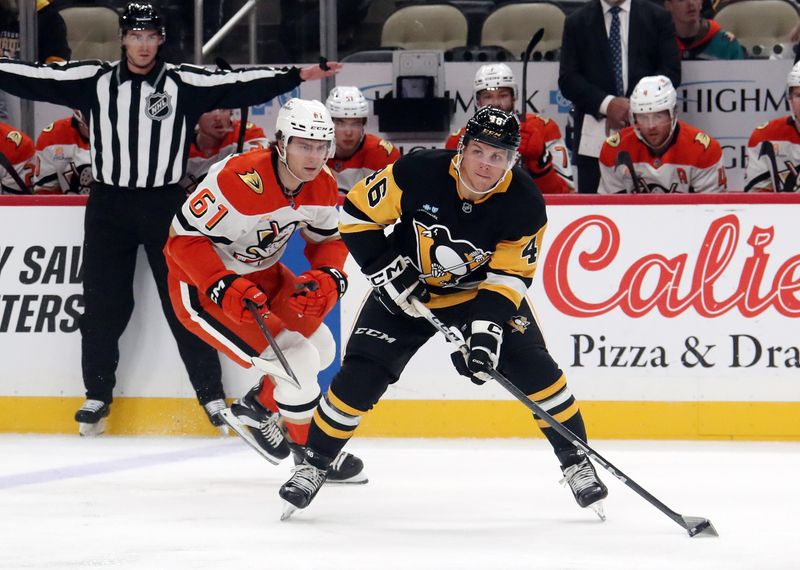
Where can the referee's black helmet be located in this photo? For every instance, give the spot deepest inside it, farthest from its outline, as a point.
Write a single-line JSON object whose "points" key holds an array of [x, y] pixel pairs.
{"points": [[141, 16]]}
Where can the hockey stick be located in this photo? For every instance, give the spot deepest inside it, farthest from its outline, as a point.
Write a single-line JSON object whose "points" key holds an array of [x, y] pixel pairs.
{"points": [[766, 149], [243, 111], [624, 159], [535, 39], [271, 340], [5, 163], [695, 526]]}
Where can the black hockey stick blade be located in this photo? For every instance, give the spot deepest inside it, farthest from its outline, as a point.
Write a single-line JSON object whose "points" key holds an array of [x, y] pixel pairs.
{"points": [[766, 149], [253, 308], [695, 526], [526, 56], [624, 159], [535, 39], [223, 64]]}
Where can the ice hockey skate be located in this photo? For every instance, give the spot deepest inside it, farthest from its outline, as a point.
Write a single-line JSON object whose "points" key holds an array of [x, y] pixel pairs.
{"points": [[213, 409], [346, 468], [258, 427], [586, 486], [301, 488], [91, 417]]}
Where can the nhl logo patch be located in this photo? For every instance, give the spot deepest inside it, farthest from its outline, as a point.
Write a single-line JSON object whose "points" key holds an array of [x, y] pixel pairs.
{"points": [[158, 107]]}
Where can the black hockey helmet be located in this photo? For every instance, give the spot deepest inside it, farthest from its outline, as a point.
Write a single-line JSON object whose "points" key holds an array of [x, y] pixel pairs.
{"points": [[141, 16], [495, 127]]}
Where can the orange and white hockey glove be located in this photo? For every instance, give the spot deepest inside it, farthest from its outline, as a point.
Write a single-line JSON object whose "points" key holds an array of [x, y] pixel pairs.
{"points": [[316, 291], [231, 293]]}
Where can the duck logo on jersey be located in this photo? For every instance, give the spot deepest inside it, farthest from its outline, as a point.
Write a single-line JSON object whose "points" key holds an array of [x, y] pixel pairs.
{"points": [[15, 137], [270, 241], [253, 180], [443, 261], [158, 106], [519, 323]]}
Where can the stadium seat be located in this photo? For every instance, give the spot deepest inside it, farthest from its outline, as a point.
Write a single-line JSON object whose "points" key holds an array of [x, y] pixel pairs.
{"points": [[511, 26], [759, 25], [429, 26], [92, 32]]}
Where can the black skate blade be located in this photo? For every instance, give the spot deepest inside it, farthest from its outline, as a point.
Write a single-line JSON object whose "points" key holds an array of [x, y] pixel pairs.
{"points": [[697, 526], [241, 430]]}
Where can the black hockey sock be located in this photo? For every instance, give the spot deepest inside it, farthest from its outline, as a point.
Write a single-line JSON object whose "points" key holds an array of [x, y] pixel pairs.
{"points": [[563, 448]]}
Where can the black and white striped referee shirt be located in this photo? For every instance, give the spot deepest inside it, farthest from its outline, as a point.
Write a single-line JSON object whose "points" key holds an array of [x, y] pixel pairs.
{"points": [[140, 126]]}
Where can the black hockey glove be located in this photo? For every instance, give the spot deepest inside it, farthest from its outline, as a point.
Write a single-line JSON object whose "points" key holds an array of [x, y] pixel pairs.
{"points": [[394, 282], [484, 350]]}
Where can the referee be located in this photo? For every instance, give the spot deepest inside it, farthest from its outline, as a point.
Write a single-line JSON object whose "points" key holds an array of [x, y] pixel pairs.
{"points": [[141, 113]]}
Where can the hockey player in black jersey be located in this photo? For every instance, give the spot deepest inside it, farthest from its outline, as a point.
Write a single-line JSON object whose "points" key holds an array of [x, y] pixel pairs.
{"points": [[466, 236]]}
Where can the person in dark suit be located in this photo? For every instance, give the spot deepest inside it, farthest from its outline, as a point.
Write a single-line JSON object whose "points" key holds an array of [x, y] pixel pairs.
{"points": [[607, 47]]}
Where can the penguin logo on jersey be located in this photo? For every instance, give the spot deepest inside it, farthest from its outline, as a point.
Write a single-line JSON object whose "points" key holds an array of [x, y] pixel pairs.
{"points": [[443, 261], [158, 106], [270, 241], [519, 323]]}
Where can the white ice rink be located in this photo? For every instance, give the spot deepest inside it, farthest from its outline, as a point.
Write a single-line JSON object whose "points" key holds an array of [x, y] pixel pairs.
{"points": [[153, 503]]}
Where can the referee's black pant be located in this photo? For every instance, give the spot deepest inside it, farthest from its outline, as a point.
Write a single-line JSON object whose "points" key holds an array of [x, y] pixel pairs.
{"points": [[117, 222]]}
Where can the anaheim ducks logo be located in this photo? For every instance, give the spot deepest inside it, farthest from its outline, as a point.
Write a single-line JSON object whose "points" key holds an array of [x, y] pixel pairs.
{"points": [[253, 180], [703, 139], [270, 241], [519, 323], [15, 137], [443, 261]]}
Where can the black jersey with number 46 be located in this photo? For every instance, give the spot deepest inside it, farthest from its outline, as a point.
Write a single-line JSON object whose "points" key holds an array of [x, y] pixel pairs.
{"points": [[485, 250]]}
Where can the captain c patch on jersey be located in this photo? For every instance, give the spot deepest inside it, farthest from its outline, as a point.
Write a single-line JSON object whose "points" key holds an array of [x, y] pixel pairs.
{"points": [[443, 261]]}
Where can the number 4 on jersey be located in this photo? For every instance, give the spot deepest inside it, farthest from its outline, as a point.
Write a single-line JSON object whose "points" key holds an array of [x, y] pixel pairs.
{"points": [[531, 252]]}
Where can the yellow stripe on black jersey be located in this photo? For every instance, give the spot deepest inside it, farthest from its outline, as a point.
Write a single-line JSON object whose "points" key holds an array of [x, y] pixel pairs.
{"points": [[484, 251]]}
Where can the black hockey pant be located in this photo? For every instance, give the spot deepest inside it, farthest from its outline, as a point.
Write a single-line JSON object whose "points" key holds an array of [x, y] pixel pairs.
{"points": [[117, 222], [381, 344]]}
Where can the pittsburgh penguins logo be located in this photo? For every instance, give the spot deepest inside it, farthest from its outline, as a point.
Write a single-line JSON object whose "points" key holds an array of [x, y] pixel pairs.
{"points": [[158, 106], [270, 241], [443, 261], [519, 323]]}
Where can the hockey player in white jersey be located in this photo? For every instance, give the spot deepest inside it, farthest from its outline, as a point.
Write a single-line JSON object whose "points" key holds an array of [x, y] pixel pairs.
{"points": [[773, 151], [659, 153], [224, 253]]}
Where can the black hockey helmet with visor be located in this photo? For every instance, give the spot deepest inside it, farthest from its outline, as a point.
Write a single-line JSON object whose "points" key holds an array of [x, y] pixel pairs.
{"points": [[496, 128], [141, 16]]}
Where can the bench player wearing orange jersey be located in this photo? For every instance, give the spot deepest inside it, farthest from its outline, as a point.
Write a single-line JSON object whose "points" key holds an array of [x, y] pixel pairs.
{"points": [[778, 173], [224, 250], [215, 138], [358, 154], [665, 154], [542, 150], [16, 163], [63, 162]]}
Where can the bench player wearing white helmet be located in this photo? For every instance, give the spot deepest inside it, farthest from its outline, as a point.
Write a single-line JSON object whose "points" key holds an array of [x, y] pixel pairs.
{"points": [[667, 155], [224, 251], [358, 154], [542, 150], [783, 135]]}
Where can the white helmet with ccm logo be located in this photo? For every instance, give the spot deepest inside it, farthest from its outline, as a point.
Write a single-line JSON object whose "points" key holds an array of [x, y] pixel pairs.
{"points": [[307, 119]]}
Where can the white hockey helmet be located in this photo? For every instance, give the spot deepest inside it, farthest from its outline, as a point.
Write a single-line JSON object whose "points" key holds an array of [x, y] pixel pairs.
{"points": [[347, 102], [653, 94], [494, 76], [304, 118], [793, 80]]}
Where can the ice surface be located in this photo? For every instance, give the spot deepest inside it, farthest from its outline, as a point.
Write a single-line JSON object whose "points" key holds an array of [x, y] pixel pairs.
{"points": [[147, 503]]}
